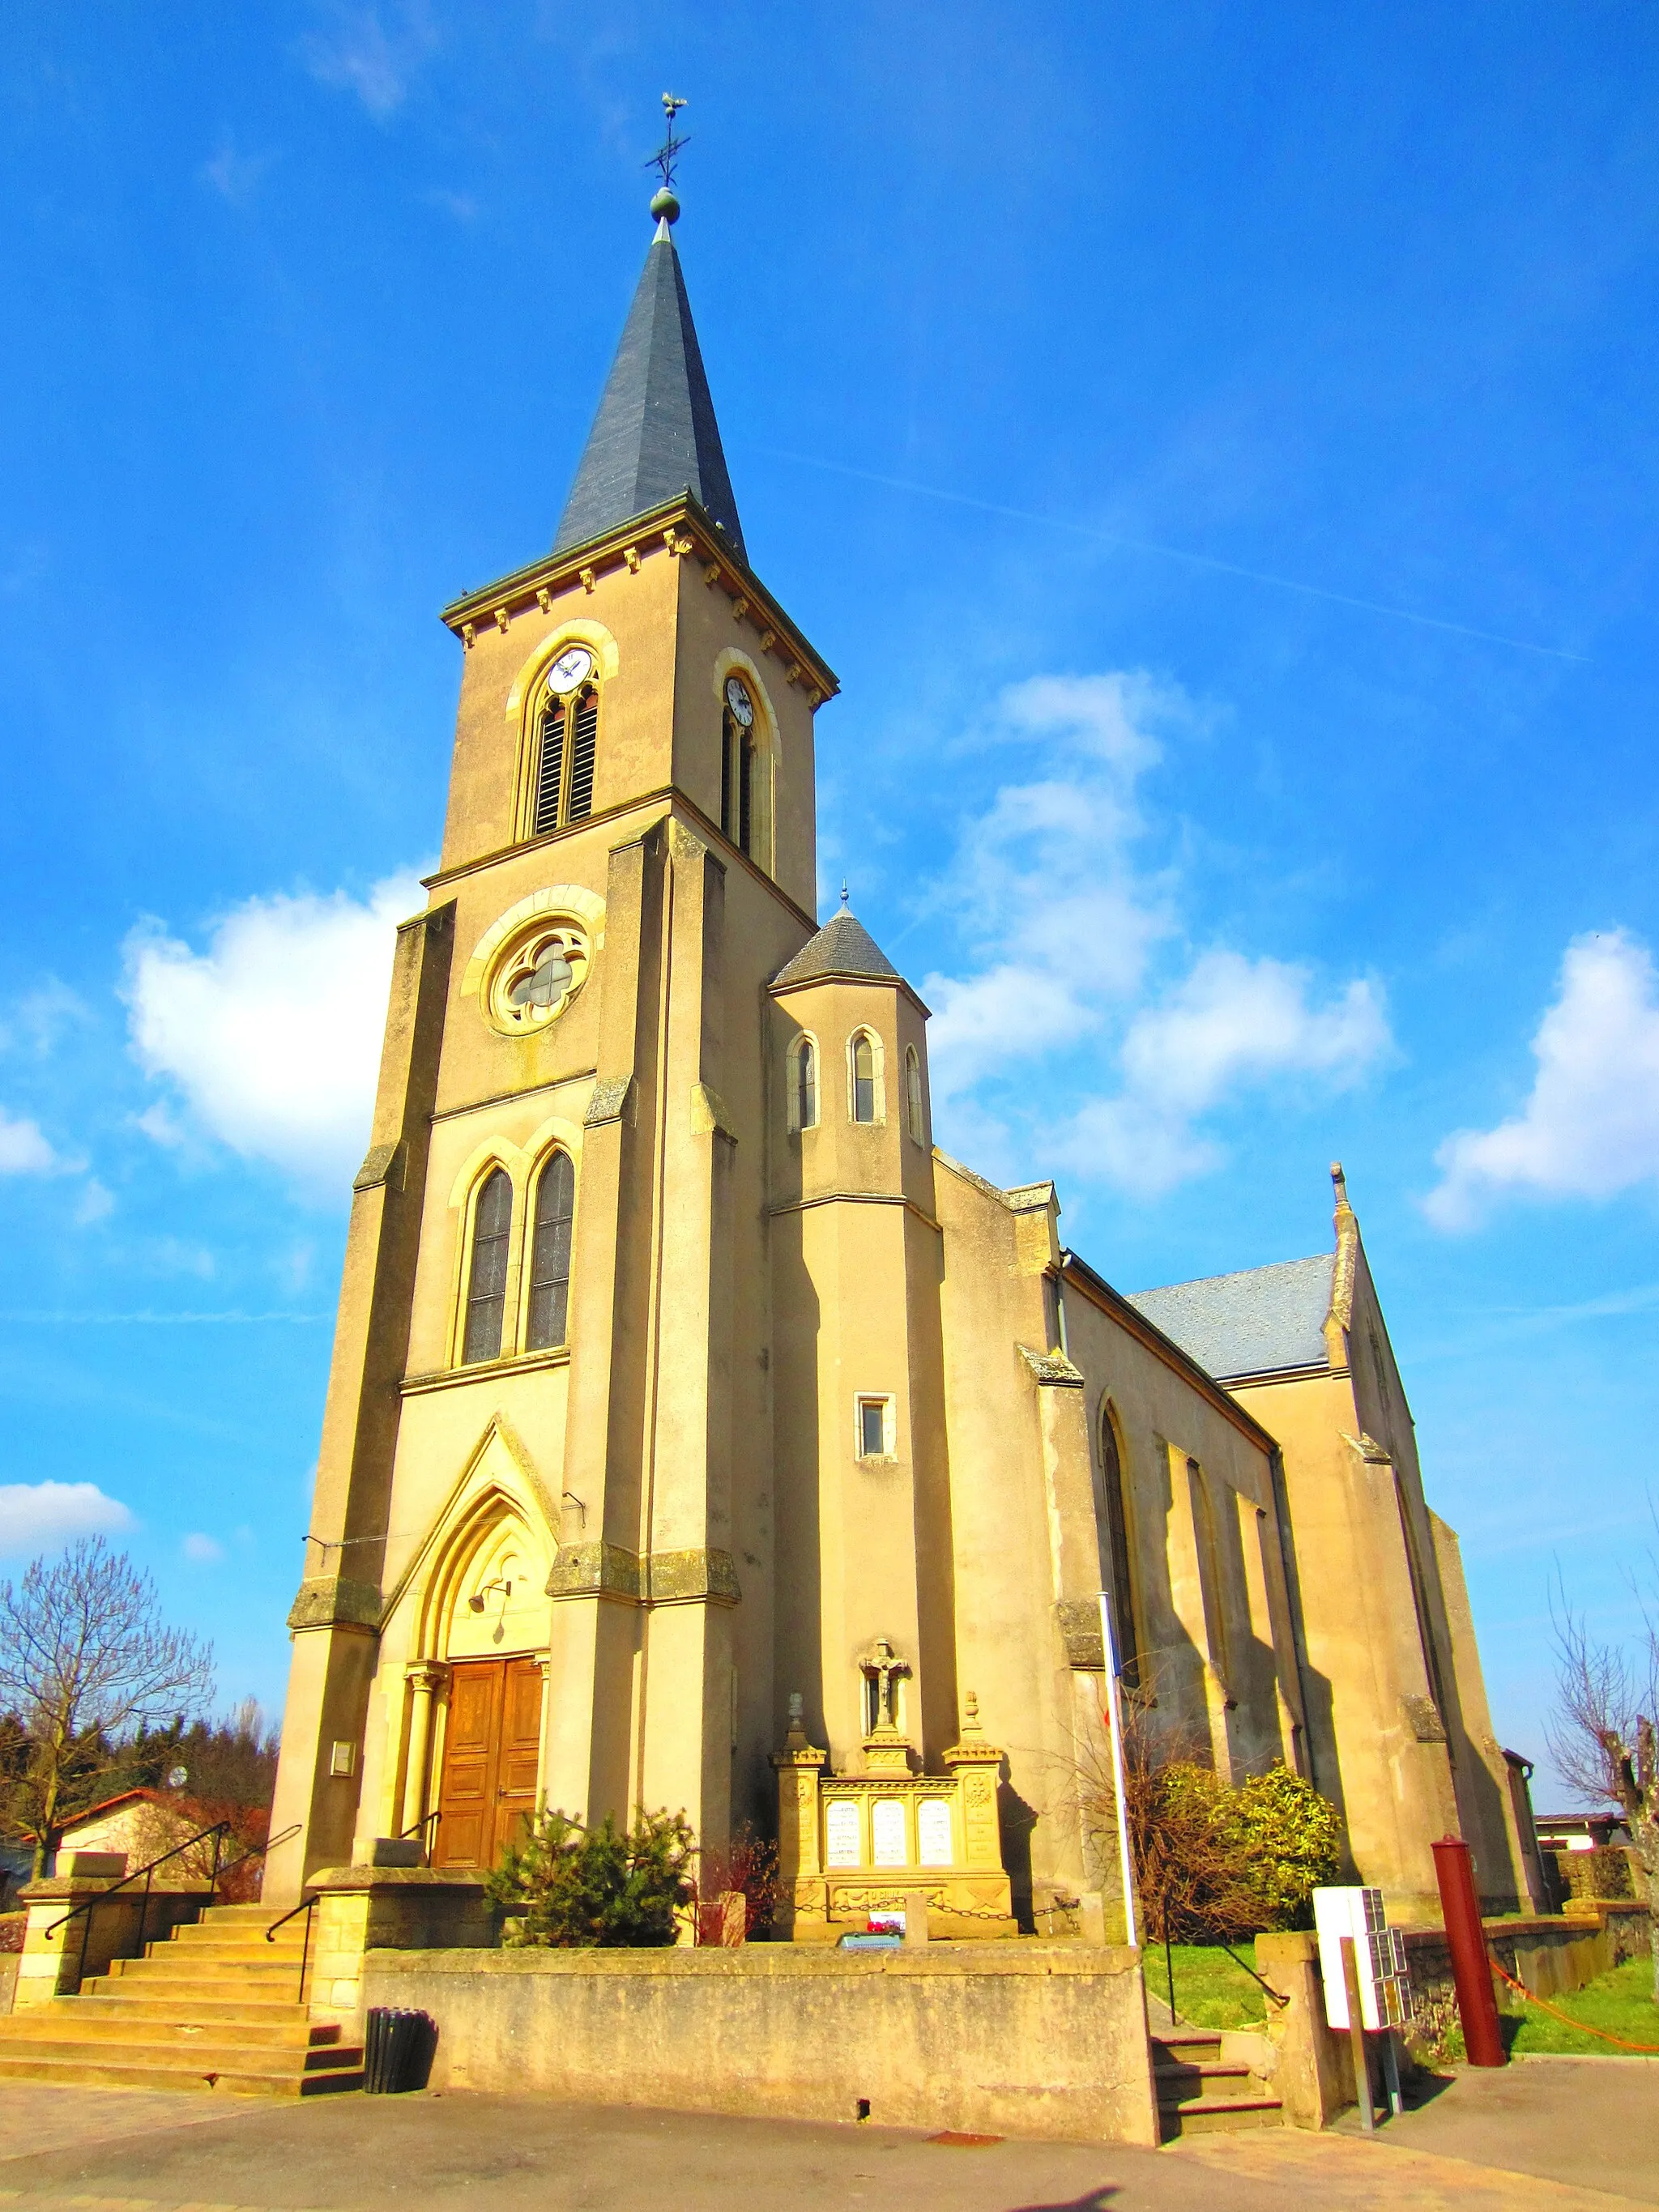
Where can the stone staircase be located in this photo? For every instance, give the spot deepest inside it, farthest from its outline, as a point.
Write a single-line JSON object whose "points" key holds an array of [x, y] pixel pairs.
{"points": [[215, 2007], [1199, 2093]]}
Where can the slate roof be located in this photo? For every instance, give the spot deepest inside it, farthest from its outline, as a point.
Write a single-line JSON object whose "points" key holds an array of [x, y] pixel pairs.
{"points": [[656, 434], [842, 947], [1258, 1323]]}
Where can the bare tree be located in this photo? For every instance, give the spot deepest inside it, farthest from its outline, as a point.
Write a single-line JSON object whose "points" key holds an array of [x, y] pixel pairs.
{"points": [[85, 1659], [1603, 1735]]}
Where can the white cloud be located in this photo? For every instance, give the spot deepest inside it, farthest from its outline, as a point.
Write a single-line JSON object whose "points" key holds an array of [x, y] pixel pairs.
{"points": [[39, 1018], [372, 51], [40, 1516], [23, 1150], [235, 176], [1590, 1126], [1065, 920], [1231, 1023], [272, 1035], [96, 1203], [202, 1550]]}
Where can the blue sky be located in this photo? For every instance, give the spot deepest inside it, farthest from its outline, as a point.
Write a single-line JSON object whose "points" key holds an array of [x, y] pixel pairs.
{"points": [[1214, 445]]}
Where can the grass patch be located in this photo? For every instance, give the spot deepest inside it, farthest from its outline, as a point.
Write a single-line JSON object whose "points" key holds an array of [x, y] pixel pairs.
{"points": [[1621, 2002], [1211, 1989]]}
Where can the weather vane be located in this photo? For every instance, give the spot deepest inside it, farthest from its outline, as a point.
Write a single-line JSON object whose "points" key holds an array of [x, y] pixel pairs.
{"points": [[664, 205]]}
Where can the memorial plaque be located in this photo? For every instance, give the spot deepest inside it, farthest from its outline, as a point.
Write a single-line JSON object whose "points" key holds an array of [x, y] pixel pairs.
{"points": [[887, 1834], [840, 1833], [933, 1844]]}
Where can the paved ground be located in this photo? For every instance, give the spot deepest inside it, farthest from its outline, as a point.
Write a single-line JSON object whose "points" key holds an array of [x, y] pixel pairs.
{"points": [[1546, 2136]]}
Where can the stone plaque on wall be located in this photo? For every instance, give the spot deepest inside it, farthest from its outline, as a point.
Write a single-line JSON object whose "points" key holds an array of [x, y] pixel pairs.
{"points": [[933, 1844], [840, 1833], [887, 1834]]}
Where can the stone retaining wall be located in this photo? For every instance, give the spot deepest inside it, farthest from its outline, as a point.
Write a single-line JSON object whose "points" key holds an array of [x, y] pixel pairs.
{"points": [[1549, 1957], [1017, 2038]]}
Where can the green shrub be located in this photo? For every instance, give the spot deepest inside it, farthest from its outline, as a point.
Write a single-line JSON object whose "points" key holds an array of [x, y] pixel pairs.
{"points": [[571, 1886], [1289, 1841]]}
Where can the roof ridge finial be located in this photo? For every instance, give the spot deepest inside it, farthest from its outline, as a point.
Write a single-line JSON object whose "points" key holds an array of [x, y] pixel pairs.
{"points": [[843, 894], [664, 203]]}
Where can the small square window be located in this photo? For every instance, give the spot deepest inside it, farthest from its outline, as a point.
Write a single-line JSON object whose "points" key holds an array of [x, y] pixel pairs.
{"points": [[875, 1428]]}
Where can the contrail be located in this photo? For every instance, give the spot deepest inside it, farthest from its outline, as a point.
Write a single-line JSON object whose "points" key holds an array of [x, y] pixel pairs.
{"points": [[1173, 553]]}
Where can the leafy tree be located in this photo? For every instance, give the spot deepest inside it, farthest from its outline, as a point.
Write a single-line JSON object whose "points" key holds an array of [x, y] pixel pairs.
{"points": [[569, 1885], [85, 1660]]}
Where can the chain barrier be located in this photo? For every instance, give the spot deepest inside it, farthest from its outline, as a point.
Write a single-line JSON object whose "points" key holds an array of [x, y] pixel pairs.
{"points": [[1649, 2049]]}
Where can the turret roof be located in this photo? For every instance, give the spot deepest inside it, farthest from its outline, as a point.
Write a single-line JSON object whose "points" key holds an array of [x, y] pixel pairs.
{"points": [[655, 435], [842, 947]]}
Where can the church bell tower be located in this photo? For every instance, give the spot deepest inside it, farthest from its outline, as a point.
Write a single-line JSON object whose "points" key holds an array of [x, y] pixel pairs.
{"points": [[539, 1566]]}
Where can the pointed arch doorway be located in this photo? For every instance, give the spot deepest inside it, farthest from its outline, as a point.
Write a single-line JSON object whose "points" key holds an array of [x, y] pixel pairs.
{"points": [[492, 1750], [483, 1619]]}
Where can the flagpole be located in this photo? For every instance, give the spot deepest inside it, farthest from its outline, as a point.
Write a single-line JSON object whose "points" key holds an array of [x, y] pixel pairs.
{"points": [[1115, 1722]]}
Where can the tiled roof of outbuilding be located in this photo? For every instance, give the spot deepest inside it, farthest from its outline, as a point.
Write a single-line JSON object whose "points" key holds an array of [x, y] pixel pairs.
{"points": [[1261, 1322], [842, 947], [656, 434]]}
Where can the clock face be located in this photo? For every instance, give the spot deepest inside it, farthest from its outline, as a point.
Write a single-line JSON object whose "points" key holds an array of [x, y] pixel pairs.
{"points": [[738, 699], [569, 670]]}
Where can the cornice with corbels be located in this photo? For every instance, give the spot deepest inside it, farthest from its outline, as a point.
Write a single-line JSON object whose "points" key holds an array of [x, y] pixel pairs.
{"points": [[681, 531]]}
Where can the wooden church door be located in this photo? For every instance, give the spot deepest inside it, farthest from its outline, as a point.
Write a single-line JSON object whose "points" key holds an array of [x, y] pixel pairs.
{"points": [[492, 1745]]}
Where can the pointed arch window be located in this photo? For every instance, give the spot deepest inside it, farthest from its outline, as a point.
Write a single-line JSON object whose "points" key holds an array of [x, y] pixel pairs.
{"points": [[863, 1078], [738, 765], [486, 1282], [550, 1255], [805, 1101], [567, 738], [913, 1095], [1117, 1551]]}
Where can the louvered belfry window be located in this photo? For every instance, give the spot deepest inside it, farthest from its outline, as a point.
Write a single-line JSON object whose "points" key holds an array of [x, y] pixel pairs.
{"points": [[564, 768], [486, 1282], [549, 1265]]}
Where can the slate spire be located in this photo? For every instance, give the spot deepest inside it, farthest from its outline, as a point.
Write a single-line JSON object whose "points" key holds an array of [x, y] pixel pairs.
{"points": [[656, 434]]}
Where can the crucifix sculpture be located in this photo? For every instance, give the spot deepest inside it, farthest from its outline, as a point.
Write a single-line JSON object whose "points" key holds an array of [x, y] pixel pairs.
{"points": [[884, 1667]]}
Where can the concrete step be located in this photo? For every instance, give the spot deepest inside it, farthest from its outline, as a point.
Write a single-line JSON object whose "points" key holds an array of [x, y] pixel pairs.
{"points": [[253, 2078], [66, 2021], [1175, 2082], [159, 2002], [1197, 2115], [169, 1964], [228, 1950]]}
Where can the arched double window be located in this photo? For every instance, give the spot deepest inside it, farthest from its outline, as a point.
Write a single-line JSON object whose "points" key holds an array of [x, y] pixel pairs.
{"points": [[1117, 1550], [913, 1095], [804, 1085], [486, 1281], [864, 1078], [567, 742], [545, 1323]]}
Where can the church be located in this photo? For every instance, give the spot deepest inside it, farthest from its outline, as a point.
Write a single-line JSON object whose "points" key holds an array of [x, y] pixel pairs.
{"points": [[701, 1436]]}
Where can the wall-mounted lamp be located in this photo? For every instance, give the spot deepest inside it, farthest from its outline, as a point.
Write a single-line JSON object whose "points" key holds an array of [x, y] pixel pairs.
{"points": [[476, 1604]]}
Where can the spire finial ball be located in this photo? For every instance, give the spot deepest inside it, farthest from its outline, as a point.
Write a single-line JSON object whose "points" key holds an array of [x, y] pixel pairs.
{"points": [[665, 206]]}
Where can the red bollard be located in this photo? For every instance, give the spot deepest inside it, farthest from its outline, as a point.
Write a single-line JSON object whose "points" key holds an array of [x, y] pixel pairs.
{"points": [[1467, 1940]]}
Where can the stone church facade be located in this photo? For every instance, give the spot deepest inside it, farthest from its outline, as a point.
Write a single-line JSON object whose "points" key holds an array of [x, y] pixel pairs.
{"points": [[699, 1435]]}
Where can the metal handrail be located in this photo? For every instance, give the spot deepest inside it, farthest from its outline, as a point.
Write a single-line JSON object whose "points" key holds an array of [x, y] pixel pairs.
{"points": [[219, 1831], [426, 1821], [308, 1905]]}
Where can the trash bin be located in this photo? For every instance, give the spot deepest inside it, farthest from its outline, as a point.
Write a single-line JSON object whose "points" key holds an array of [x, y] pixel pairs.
{"points": [[394, 2041]]}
